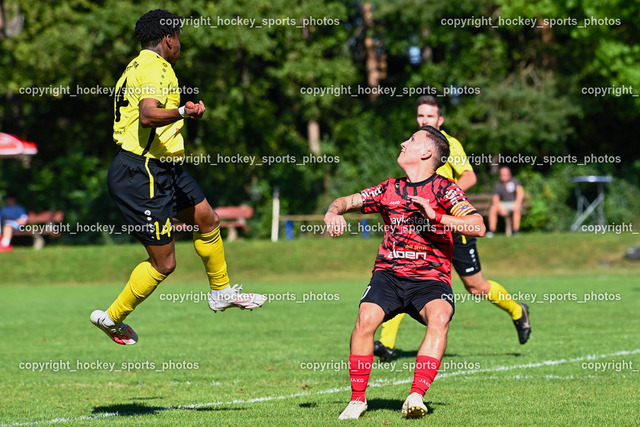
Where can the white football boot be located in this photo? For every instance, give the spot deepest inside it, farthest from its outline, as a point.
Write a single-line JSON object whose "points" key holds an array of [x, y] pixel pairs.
{"points": [[414, 406], [354, 410], [220, 301], [121, 333]]}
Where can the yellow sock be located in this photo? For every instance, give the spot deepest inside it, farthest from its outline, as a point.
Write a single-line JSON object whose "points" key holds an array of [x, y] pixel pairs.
{"points": [[143, 281], [500, 297], [209, 247], [390, 331]]}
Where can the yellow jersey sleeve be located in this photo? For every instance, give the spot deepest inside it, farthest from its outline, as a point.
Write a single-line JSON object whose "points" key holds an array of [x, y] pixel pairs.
{"points": [[457, 162], [147, 76]]}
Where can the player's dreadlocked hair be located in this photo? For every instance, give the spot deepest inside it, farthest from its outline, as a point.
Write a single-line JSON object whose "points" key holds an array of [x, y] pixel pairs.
{"points": [[440, 142], [155, 25]]}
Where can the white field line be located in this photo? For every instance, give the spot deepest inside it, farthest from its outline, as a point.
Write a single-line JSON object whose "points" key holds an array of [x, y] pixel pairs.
{"points": [[378, 383]]}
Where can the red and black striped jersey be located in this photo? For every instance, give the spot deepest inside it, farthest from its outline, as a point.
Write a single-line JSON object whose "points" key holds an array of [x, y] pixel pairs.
{"points": [[412, 245]]}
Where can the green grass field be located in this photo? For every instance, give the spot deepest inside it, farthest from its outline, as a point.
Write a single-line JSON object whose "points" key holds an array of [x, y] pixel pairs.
{"points": [[192, 366]]}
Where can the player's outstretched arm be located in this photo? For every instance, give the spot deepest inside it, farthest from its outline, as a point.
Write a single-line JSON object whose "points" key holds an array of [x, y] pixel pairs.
{"points": [[467, 180], [468, 225], [333, 218], [151, 115]]}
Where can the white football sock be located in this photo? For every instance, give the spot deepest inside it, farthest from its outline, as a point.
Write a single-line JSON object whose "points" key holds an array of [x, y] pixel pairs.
{"points": [[107, 321], [218, 292]]}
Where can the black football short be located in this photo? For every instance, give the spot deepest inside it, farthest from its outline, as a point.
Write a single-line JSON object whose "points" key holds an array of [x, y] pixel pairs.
{"points": [[465, 255], [395, 294], [149, 193]]}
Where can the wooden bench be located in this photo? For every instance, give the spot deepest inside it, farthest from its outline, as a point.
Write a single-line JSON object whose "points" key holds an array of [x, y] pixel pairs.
{"points": [[234, 218], [51, 218], [482, 202], [231, 217]]}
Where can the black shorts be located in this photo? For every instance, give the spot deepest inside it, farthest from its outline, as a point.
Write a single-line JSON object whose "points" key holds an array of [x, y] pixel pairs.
{"points": [[149, 193], [395, 294], [466, 260]]}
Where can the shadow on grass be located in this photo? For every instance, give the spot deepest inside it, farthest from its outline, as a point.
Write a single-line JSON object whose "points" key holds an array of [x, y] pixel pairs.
{"points": [[513, 354], [384, 404], [128, 409], [132, 409], [398, 354], [396, 405], [401, 354]]}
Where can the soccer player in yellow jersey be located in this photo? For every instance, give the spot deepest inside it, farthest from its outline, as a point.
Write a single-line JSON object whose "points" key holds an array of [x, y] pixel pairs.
{"points": [[148, 184], [465, 254]]}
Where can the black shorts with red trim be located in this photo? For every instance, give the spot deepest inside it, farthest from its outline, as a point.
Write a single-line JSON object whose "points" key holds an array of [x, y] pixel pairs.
{"points": [[465, 260], [149, 194], [396, 294]]}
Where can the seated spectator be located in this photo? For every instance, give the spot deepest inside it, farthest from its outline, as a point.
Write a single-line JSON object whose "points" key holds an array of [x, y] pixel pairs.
{"points": [[12, 216], [507, 200]]}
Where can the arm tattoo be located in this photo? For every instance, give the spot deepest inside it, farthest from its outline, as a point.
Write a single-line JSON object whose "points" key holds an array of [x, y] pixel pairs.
{"points": [[353, 202], [338, 206]]}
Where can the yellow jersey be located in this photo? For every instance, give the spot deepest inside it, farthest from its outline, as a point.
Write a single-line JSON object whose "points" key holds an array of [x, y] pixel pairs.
{"points": [[457, 161], [147, 76]]}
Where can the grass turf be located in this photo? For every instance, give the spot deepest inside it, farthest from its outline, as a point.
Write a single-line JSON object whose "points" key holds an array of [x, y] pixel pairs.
{"points": [[192, 366]]}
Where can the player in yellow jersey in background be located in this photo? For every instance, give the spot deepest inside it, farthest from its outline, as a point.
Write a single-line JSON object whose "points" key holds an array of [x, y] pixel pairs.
{"points": [[148, 184], [465, 254]]}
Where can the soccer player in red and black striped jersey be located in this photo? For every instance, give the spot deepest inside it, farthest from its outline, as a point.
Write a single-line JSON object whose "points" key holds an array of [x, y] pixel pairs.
{"points": [[412, 272], [466, 259]]}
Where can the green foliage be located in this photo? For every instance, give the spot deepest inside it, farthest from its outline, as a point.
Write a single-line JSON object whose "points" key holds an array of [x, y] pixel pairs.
{"points": [[622, 203], [524, 94], [370, 147], [553, 200], [552, 205]]}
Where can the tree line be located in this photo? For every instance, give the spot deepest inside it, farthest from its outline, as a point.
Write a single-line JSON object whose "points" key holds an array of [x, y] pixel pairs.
{"points": [[320, 95]]}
